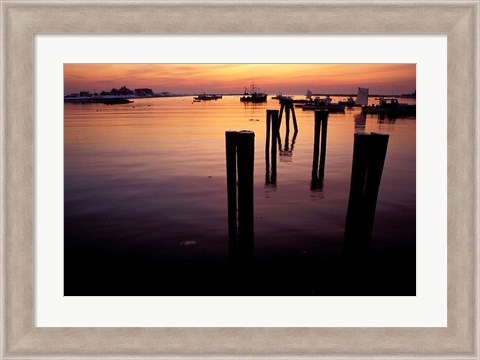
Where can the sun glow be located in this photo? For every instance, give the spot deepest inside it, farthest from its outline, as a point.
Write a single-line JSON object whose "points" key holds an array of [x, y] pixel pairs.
{"points": [[231, 78]]}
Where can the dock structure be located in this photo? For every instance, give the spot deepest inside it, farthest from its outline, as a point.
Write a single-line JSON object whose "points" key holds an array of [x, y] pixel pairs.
{"points": [[286, 105], [272, 136], [239, 146], [319, 148], [369, 153]]}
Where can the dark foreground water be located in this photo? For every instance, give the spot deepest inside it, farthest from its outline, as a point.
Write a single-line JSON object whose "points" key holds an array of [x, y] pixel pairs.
{"points": [[146, 204]]}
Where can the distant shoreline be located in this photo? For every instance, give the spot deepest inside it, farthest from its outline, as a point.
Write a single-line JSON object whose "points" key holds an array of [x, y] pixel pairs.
{"points": [[125, 99]]}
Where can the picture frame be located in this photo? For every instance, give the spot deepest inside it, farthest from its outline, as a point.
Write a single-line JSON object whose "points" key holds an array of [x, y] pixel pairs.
{"points": [[21, 20]]}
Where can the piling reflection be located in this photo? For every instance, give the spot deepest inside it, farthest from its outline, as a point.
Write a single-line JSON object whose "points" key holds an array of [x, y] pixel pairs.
{"points": [[360, 121], [286, 151], [386, 123], [369, 152]]}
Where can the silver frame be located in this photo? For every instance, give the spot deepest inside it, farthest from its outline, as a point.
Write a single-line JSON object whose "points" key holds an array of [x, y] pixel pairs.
{"points": [[20, 20]]}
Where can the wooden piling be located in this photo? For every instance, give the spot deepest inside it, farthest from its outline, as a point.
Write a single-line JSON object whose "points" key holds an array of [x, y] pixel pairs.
{"points": [[319, 147], [231, 159], [323, 150], [369, 152], [378, 152], [316, 145], [287, 116], [245, 153], [355, 220], [282, 108], [267, 146], [294, 117], [273, 151]]}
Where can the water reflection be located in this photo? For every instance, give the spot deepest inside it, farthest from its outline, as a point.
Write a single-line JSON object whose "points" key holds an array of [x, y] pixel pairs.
{"points": [[286, 151], [360, 121], [146, 203]]}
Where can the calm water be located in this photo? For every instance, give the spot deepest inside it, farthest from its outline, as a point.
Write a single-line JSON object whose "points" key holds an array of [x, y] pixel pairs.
{"points": [[145, 183]]}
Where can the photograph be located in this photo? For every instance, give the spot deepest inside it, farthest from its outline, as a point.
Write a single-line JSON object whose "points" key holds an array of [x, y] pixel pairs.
{"points": [[199, 179]]}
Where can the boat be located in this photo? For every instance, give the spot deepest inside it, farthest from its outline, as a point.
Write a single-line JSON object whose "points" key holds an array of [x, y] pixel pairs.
{"points": [[322, 104], [113, 101], [107, 100], [281, 97], [349, 102], [331, 107], [308, 98], [390, 107], [362, 98], [207, 97], [254, 95], [412, 95]]}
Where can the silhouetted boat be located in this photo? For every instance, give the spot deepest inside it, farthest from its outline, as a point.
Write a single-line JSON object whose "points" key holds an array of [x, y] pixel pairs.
{"points": [[113, 101], [281, 97], [322, 104], [331, 107], [349, 102], [207, 97], [391, 107], [253, 95]]}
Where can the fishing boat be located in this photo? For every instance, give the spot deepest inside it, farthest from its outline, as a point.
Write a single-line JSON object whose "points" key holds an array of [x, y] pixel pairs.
{"points": [[254, 95], [323, 104], [390, 107], [207, 97]]}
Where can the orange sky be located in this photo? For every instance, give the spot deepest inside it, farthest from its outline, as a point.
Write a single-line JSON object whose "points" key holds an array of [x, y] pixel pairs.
{"points": [[232, 78]]}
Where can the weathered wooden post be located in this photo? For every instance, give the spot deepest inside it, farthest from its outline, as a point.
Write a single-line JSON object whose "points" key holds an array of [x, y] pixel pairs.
{"points": [[316, 145], [245, 153], [273, 150], [378, 152], [231, 154], [287, 117], [270, 151], [267, 147], [323, 151], [321, 124], [282, 107], [294, 117], [355, 222], [240, 160], [369, 153]]}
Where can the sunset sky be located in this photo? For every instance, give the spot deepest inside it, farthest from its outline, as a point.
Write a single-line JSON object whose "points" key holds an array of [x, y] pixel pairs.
{"points": [[232, 78]]}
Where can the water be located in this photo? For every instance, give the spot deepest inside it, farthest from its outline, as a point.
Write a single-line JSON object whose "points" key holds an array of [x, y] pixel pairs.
{"points": [[146, 199]]}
